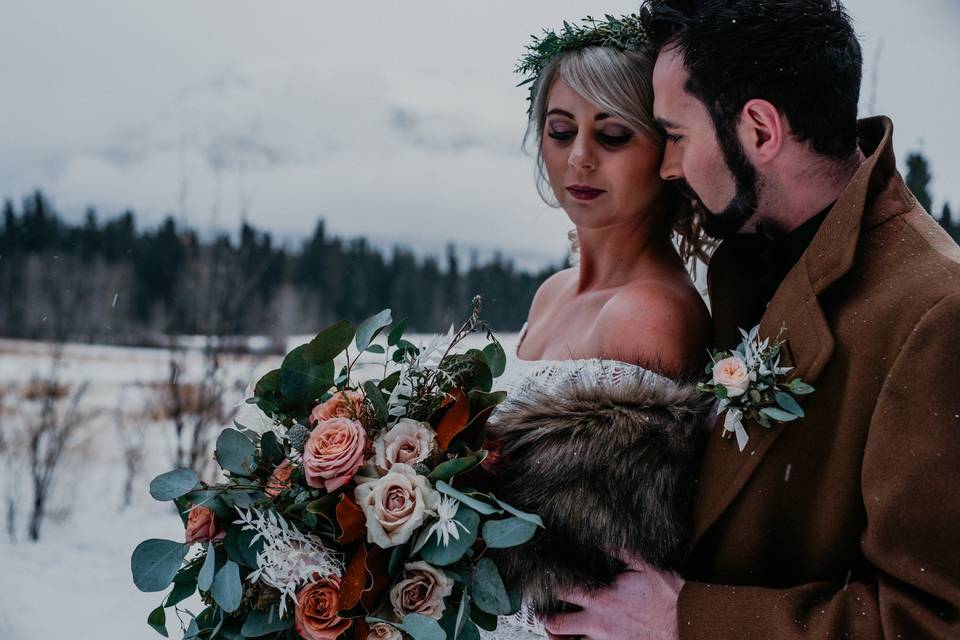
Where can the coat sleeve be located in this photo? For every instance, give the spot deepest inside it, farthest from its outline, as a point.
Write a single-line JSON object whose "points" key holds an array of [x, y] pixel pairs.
{"points": [[910, 480]]}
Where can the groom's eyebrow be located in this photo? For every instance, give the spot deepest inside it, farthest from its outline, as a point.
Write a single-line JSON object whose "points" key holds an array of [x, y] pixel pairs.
{"points": [[667, 124]]}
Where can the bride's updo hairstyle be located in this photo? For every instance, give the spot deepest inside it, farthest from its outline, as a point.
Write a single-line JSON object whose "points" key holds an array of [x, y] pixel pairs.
{"points": [[619, 82]]}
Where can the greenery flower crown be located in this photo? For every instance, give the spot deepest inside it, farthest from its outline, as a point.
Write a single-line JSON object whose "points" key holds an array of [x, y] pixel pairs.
{"points": [[625, 33]]}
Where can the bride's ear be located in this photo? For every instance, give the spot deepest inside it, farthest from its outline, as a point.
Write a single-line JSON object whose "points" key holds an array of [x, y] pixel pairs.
{"points": [[762, 131]]}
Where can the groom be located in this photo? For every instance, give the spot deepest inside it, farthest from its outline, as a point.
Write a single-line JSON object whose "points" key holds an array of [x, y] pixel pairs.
{"points": [[845, 523]]}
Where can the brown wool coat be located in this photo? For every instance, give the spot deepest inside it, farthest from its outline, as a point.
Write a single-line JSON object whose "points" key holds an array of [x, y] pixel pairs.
{"points": [[846, 523]]}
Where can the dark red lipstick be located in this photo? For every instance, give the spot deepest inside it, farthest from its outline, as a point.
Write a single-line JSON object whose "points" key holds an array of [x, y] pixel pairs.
{"points": [[584, 192]]}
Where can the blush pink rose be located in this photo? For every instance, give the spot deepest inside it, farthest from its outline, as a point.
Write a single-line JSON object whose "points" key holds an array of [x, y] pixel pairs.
{"points": [[733, 375], [384, 631], [316, 614], [421, 590], [333, 453], [202, 526], [407, 442], [279, 479], [396, 505], [343, 404]]}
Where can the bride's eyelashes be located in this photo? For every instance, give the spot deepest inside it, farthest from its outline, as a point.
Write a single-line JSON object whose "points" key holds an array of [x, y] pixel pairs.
{"points": [[614, 139]]}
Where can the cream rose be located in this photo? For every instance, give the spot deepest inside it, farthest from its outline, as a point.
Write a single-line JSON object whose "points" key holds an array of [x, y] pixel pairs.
{"points": [[384, 631], [343, 404], [421, 590], [333, 453], [396, 504], [733, 375], [408, 442]]}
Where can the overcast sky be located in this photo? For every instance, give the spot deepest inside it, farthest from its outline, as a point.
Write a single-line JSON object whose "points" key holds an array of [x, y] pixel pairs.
{"points": [[398, 121]]}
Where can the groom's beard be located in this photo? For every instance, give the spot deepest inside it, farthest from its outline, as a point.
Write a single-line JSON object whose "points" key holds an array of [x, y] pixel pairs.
{"points": [[726, 223]]}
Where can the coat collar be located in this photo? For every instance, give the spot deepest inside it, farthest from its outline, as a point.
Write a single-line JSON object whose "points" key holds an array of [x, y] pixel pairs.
{"points": [[796, 308]]}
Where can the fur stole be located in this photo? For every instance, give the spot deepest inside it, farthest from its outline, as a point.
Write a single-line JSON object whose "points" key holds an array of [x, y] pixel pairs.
{"points": [[607, 467]]}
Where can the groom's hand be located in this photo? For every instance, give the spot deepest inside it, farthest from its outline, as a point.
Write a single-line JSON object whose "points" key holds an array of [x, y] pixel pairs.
{"points": [[641, 604]]}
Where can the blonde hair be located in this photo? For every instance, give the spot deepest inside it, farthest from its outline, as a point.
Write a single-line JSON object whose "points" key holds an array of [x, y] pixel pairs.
{"points": [[619, 82]]}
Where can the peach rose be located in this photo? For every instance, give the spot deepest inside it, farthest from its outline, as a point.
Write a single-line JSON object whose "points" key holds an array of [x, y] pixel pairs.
{"points": [[384, 631], [279, 479], [408, 442], [733, 375], [316, 614], [333, 453], [343, 404], [421, 590], [396, 505], [202, 526]]}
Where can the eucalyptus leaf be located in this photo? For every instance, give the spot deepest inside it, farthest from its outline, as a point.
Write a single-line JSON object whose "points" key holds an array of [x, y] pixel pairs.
{"points": [[777, 414], [329, 343], [227, 589], [370, 327], [422, 627], [450, 468], [376, 398], [439, 555], [523, 515], [473, 503], [484, 620], [158, 621], [238, 547], [208, 570], [173, 484], [261, 623], [155, 563], [396, 333], [182, 589], [302, 381], [488, 590], [463, 612], [800, 387], [398, 557], [496, 358], [235, 452], [788, 404], [376, 349], [510, 532]]}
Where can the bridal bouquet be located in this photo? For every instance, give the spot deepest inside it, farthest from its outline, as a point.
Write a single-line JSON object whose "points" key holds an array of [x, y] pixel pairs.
{"points": [[749, 382], [350, 515]]}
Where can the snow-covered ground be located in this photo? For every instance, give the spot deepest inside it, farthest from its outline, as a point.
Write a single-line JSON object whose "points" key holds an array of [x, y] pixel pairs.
{"points": [[75, 583]]}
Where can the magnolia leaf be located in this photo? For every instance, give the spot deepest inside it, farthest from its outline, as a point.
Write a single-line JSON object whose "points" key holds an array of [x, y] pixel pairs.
{"points": [[329, 343], [235, 452], [788, 404], [238, 545], [375, 396], [227, 589], [158, 621], [271, 448], [510, 532], [302, 381], [173, 484], [155, 563], [182, 589], [450, 468], [488, 590], [370, 327]]}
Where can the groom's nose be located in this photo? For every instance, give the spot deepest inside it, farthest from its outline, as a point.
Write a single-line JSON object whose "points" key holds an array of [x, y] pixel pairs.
{"points": [[671, 168]]}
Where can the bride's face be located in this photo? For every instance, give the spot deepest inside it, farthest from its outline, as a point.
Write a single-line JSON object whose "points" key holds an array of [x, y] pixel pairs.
{"points": [[603, 172]]}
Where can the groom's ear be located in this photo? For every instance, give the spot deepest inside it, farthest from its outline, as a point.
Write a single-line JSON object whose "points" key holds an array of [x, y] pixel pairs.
{"points": [[762, 131]]}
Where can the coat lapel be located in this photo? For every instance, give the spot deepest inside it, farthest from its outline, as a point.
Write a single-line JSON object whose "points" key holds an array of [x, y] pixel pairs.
{"points": [[809, 342]]}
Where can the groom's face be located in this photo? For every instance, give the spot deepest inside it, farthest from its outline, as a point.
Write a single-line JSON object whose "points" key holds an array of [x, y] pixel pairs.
{"points": [[714, 169]]}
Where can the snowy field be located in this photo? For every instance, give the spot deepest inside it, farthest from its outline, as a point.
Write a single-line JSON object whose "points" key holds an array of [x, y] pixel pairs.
{"points": [[75, 582]]}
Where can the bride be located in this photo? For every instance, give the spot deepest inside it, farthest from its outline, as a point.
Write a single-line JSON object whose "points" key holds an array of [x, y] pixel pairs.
{"points": [[599, 435]]}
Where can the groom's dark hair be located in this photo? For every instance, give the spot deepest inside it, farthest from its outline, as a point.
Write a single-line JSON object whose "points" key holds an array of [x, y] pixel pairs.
{"points": [[800, 55]]}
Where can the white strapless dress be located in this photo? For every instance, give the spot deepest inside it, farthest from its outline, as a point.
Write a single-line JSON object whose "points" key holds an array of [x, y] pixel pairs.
{"points": [[522, 376]]}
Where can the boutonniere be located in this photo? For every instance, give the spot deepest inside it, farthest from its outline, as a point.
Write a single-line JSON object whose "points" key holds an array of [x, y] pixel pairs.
{"points": [[750, 383]]}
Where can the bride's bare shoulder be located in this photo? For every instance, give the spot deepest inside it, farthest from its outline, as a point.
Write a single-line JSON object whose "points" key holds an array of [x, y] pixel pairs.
{"points": [[551, 289], [661, 324]]}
